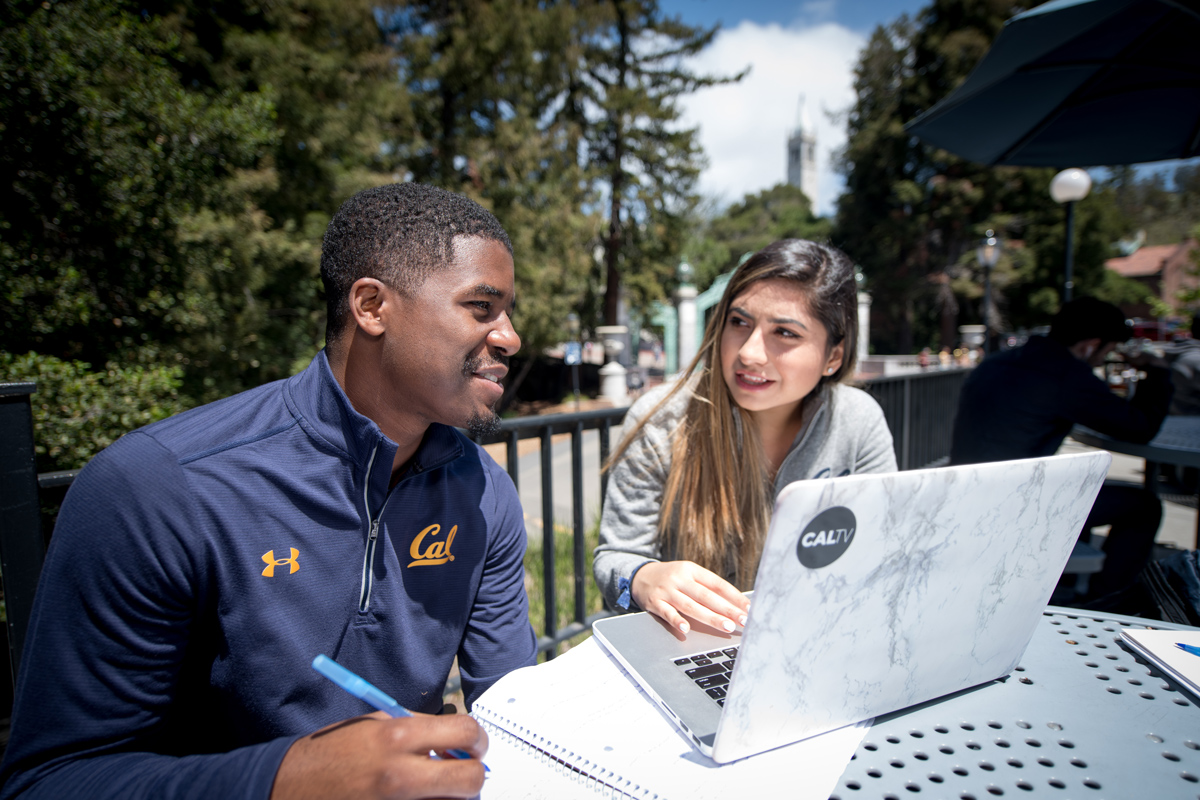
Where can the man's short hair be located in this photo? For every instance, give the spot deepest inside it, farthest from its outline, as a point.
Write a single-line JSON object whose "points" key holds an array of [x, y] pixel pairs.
{"points": [[1089, 318], [400, 234]]}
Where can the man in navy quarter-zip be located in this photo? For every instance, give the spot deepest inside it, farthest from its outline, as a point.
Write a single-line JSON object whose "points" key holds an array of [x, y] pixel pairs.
{"points": [[199, 564]]}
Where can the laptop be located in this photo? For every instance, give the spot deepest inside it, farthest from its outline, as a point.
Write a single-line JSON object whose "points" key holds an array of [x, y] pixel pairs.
{"points": [[874, 593]]}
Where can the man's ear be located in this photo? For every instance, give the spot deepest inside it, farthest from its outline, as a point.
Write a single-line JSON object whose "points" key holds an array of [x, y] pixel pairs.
{"points": [[368, 299]]}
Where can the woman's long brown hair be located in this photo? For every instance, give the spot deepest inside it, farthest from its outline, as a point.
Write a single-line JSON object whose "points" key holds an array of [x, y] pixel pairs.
{"points": [[717, 500]]}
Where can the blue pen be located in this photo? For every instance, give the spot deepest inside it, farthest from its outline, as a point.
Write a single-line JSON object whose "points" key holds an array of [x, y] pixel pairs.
{"points": [[1188, 648], [365, 691]]}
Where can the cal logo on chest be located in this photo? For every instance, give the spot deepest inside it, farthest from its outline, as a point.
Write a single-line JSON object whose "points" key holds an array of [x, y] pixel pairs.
{"points": [[430, 547]]}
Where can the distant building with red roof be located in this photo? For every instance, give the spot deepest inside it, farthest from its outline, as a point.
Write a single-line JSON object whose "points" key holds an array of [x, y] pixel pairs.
{"points": [[1164, 269]]}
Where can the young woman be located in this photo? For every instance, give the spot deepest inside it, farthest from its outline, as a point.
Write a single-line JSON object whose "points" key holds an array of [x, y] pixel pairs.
{"points": [[763, 404]]}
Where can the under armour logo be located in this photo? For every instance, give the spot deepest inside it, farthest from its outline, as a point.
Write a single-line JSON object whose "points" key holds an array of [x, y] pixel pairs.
{"points": [[273, 562]]}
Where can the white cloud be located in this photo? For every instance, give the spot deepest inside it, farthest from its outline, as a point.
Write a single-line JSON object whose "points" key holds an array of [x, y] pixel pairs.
{"points": [[744, 126]]}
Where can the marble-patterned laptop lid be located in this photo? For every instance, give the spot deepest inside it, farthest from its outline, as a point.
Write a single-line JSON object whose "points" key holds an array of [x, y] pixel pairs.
{"points": [[877, 592]]}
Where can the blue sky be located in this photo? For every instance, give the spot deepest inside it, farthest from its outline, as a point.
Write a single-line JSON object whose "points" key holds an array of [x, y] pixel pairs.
{"points": [[792, 49], [859, 15]]}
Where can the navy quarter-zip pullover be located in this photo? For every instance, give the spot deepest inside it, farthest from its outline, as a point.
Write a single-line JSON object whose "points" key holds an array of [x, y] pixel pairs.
{"points": [[200, 563]]}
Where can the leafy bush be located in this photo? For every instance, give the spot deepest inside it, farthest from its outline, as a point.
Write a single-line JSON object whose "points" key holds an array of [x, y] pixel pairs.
{"points": [[77, 412]]}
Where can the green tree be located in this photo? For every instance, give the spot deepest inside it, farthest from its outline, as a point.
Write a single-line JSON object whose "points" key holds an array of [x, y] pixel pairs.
{"points": [[912, 215], [539, 109], [1162, 213], [174, 165], [631, 74], [485, 80], [909, 214], [781, 212], [107, 153], [253, 306]]}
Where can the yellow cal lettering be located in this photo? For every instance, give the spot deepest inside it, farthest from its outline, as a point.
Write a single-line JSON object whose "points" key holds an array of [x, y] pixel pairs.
{"points": [[414, 549], [436, 552]]}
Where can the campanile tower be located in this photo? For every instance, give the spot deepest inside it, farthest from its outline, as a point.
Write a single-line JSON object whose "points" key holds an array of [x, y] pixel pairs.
{"points": [[802, 155]]}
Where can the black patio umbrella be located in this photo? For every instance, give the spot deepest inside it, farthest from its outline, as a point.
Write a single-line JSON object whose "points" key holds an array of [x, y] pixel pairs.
{"points": [[1076, 83]]}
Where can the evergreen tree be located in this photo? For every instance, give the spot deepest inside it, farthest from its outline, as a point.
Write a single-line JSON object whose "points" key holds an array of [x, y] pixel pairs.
{"points": [[257, 313], [909, 214], [631, 74], [538, 109]]}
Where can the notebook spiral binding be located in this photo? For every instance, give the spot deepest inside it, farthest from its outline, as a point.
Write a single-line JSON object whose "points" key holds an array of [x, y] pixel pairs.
{"points": [[589, 775]]}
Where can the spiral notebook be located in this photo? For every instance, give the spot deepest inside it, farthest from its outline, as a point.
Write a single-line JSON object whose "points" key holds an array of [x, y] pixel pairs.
{"points": [[578, 727], [1169, 651]]}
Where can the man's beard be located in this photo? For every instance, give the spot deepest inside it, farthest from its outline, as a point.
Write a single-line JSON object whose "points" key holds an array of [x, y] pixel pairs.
{"points": [[480, 425]]}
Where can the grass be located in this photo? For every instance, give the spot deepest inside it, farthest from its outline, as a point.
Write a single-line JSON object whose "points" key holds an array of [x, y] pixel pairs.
{"points": [[564, 581]]}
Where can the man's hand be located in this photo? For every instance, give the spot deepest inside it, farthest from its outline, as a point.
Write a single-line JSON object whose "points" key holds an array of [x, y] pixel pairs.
{"points": [[376, 756], [1142, 359], [674, 589]]}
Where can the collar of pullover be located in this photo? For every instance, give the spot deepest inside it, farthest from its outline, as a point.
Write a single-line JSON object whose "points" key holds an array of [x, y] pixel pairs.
{"points": [[323, 410]]}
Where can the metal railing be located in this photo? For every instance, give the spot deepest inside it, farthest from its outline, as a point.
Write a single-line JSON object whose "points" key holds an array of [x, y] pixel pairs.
{"points": [[919, 408], [21, 545], [512, 431]]}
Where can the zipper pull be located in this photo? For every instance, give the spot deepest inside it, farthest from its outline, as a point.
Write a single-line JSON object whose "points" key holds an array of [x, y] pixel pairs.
{"points": [[374, 530]]}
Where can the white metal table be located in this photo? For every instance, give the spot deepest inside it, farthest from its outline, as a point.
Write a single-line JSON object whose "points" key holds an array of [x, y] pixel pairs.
{"points": [[1082, 717], [1177, 442]]}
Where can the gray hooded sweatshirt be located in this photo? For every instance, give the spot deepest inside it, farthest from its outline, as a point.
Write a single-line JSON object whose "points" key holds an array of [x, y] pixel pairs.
{"points": [[843, 432]]}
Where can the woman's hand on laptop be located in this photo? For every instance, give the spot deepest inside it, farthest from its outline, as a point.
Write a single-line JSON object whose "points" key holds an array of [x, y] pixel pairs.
{"points": [[673, 590]]}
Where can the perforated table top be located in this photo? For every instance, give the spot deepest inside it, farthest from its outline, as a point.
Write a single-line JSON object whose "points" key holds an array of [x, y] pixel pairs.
{"points": [[1081, 717]]}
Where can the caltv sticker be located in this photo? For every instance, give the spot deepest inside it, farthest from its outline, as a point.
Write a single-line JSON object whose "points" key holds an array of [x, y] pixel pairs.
{"points": [[823, 540]]}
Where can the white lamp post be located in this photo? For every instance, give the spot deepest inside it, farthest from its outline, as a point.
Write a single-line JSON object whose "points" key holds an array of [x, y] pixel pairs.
{"points": [[613, 373], [988, 254], [1070, 186], [685, 305]]}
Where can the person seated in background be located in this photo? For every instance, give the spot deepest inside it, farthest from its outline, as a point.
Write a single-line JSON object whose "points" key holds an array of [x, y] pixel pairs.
{"points": [[1183, 354], [199, 564], [1022, 403], [764, 403]]}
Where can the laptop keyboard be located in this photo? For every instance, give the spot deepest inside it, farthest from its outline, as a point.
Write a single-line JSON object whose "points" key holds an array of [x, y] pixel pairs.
{"points": [[710, 671]]}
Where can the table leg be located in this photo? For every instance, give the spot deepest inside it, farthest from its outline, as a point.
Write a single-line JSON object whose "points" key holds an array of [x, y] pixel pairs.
{"points": [[1150, 476], [1151, 482]]}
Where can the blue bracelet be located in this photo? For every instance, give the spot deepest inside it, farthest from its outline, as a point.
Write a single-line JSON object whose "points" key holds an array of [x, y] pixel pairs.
{"points": [[625, 585]]}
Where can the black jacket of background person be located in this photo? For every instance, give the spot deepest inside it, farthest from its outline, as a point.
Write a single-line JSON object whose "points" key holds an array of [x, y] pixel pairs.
{"points": [[1021, 403]]}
